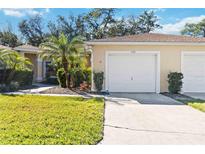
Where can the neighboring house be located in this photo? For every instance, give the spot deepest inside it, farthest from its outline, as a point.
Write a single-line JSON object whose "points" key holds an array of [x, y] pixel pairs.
{"points": [[4, 47], [141, 63], [32, 53]]}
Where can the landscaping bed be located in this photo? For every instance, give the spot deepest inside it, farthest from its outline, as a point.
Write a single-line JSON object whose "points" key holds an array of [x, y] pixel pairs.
{"points": [[179, 97], [71, 91], [28, 119], [59, 90], [195, 103]]}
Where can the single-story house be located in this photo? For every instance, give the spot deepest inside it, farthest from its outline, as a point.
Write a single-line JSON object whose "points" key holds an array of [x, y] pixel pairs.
{"points": [[40, 67], [141, 63], [4, 47]]}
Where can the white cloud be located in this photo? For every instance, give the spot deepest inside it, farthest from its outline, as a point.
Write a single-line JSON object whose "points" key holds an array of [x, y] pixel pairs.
{"points": [[24, 12], [175, 28], [159, 10], [12, 12]]}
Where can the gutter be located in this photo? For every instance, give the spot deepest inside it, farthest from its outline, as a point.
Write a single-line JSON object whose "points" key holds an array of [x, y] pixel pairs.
{"points": [[146, 43]]}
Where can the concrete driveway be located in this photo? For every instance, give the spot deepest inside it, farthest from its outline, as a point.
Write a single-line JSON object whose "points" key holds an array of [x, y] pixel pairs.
{"points": [[133, 119]]}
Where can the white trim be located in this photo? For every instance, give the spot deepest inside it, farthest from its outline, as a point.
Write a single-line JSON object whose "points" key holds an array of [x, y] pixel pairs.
{"points": [[44, 69], [146, 43], [92, 71], [157, 53], [183, 53], [39, 59], [27, 51], [158, 72], [39, 79]]}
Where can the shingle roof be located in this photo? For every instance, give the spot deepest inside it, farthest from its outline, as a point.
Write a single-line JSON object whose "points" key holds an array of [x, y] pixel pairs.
{"points": [[27, 47], [4, 47], [153, 37]]}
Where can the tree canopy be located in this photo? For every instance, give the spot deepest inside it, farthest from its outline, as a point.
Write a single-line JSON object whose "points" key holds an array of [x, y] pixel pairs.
{"points": [[60, 49], [32, 30], [193, 29], [9, 38], [96, 24]]}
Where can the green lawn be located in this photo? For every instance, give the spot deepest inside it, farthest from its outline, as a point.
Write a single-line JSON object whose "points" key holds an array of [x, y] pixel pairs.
{"points": [[49, 120], [200, 105]]}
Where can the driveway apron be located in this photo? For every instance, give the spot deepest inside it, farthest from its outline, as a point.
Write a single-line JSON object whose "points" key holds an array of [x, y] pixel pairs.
{"points": [[134, 119]]}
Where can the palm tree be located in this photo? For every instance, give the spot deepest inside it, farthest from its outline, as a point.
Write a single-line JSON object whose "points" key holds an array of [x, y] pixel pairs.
{"points": [[60, 49], [12, 60]]}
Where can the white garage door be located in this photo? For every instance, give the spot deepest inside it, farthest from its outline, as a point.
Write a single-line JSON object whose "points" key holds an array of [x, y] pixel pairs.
{"points": [[193, 68], [131, 72]]}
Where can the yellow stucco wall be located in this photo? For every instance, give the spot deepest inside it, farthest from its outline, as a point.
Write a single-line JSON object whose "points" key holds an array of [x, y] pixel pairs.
{"points": [[33, 60], [170, 57], [38, 68]]}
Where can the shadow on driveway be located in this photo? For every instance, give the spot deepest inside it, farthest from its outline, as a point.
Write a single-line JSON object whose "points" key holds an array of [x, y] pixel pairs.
{"points": [[141, 98]]}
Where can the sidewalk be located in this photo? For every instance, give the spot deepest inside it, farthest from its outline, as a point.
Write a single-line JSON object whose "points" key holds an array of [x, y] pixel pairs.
{"points": [[40, 87]]}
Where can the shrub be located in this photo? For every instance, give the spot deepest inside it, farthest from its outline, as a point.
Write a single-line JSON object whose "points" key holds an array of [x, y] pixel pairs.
{"points": [[61, 77], [175, 82], [18, 79], [80, 76], [23, 77], [77, 78], [87, 75], [14, 86], [2, 87], [84, 86], [52, 80], [98, 80]]}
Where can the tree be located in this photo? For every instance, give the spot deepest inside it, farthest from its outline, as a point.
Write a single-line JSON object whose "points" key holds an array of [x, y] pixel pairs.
{"points": [[8, 38], [144, 23], [32, 30], [13, 61], [98, 22], [202, 27], [133, 25], [60, 49], [148, 22], [120, 28], [101, 23], [71, 27], [193, 29]]}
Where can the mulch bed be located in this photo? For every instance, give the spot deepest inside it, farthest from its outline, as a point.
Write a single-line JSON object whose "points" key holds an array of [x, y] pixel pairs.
{"points": [[59, 90], [179, 97]]}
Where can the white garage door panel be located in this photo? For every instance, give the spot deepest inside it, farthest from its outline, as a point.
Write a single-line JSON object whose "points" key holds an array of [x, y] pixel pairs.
{"points": [[194, 73], [132, 72]]}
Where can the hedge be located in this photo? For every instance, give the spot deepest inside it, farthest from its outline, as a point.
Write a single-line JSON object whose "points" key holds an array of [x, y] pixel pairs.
{"points": [[22, 77]]}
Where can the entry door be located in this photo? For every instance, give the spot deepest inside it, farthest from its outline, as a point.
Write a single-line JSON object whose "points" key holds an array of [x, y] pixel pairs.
{"points": [[132, 72], [194, 72]]}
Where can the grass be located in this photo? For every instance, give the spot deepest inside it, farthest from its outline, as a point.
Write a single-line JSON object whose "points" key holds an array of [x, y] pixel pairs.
{"points": [[27, 119], [200, 105], [195, 103]]}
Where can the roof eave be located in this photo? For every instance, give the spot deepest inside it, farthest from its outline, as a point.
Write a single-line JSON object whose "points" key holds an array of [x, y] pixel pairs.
{"points": [[145, 43], [24, 49]]}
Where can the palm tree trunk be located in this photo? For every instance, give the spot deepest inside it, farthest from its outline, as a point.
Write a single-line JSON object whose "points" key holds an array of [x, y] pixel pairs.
{"points": [[65, 67]]}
